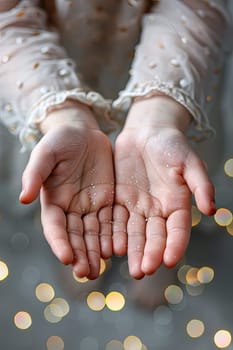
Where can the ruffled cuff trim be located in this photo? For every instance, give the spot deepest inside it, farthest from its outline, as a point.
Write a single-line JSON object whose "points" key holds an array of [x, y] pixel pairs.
{"points": [[202, 129], [30, 133]]}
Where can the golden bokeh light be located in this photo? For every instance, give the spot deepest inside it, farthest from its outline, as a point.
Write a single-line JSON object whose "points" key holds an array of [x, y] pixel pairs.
{"points": [[228, 167], [132, 343], [205, 274], [115, 301], [44, 292], [59, 307], [96, 301], [195, 328], [223, 217], [222, 339], [196, 216], [56, 310], [49, 315], [173, 294], [55, 343], [114, 345], [4, 272], [191, 276], [229, 228], [22, 320], [102, 266], [80, 279], [182, 272]]}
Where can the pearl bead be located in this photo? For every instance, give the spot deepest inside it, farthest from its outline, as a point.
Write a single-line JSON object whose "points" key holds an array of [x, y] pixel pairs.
{"points": [[63, 72], [183, 83], [175, 62], [184, 40]]}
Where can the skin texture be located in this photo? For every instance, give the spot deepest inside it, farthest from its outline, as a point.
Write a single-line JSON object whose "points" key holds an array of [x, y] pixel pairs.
{"points": [[76, 190], [156, 172], [137, 204]]}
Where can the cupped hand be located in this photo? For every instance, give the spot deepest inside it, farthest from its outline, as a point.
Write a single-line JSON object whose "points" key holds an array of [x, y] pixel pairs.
{"points": [[156, 173], [71, 167]]}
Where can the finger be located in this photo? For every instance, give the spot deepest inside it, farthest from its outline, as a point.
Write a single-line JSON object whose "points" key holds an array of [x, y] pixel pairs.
{"points": [[200, 185], [91, 238], [39, 167], [105, 222], [136, 243], [178, 234], [75, 234], [120, 220], [54, 226], [155, 244]]}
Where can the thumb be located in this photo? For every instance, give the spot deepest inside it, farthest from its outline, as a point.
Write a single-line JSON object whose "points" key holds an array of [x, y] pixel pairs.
{"points": [[39, 167], [200, 185]]}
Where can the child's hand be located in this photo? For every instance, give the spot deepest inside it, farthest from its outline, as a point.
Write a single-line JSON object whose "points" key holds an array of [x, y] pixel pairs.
{"points": [[156, 172], [71, 167]]}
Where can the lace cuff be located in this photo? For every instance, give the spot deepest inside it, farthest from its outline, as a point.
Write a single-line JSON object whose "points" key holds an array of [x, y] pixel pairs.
{"points": [[202, 128], [30, 133]]}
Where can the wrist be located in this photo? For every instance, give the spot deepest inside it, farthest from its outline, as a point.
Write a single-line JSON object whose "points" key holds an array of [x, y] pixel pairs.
{"points": [[71, 113], [158, 111]]}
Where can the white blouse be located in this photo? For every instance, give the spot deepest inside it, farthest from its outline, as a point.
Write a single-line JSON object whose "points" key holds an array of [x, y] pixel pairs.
{"points": [[106, 52]]}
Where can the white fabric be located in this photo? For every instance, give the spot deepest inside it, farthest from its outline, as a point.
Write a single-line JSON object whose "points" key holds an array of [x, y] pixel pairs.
{"points": [[85, 50]]}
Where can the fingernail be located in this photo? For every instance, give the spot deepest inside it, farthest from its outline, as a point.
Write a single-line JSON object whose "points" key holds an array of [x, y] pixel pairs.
{"points": [[21, 194]]}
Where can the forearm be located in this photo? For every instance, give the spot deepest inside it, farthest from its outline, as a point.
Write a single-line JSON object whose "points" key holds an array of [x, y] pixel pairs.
{"points": [[182, 47], [36, 74]]}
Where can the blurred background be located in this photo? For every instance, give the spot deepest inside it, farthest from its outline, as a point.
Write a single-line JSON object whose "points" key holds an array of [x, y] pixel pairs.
{"points": [[44, 307]]}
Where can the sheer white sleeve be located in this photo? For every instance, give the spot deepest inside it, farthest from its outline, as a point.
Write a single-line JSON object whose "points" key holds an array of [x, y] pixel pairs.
{"points": [[182, 48], [35, 71]]}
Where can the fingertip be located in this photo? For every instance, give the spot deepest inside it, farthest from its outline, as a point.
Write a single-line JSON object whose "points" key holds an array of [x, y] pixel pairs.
{"points": [[138, 276], [207, 207], [170, 260], [211, 212], [148, 271], [119, 246], [205, 198], [64, 259], [172, 255], [93, 276], [30, 189], [80, 270], [64, 254], [22, 197], [201, 186], [150, 266], [25, 198], [212, 209], [135, 271], [106, 252]]}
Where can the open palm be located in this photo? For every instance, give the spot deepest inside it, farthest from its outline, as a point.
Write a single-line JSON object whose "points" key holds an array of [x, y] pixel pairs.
{"points": [[156, 173], [73, 171]]}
